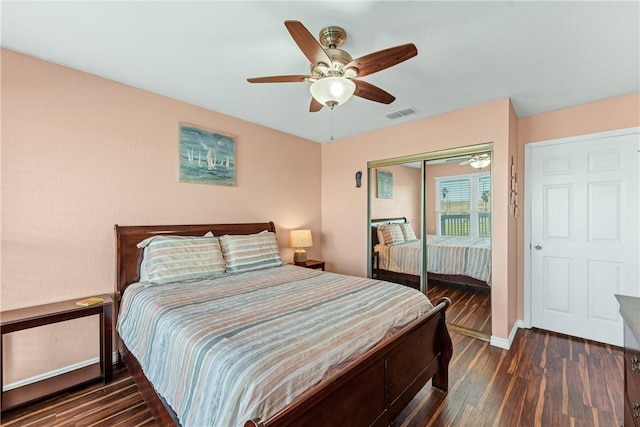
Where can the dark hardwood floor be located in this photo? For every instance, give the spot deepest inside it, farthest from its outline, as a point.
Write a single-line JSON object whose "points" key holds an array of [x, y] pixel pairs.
{"points": [[117, 404], [546, 379], [470, 309]]}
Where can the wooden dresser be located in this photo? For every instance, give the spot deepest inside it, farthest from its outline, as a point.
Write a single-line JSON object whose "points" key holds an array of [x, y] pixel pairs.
{"points": [[630, 311]]}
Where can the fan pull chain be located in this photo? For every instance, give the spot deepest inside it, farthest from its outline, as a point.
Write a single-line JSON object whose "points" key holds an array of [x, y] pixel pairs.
{"points": [[332, 124]]}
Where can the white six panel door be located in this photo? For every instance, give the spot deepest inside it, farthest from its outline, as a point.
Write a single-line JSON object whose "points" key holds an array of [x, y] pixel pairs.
{"points": [[584, 235]]}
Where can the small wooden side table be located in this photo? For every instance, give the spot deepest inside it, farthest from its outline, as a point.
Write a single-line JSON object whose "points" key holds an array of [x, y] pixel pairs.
{"points": [[312, 263], [31, 317]]}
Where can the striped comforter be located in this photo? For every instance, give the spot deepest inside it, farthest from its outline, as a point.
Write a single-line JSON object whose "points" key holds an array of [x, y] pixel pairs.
{"points": [[226, 350], [459, 255]]}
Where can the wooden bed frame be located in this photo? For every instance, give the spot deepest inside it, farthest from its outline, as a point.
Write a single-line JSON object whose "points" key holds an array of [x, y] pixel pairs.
{"points": [[413, 280], [371, 391]]}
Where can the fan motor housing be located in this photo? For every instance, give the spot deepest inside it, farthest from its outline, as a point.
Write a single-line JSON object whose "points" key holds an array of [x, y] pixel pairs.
{"points": [[339, 58], [332, 36]]}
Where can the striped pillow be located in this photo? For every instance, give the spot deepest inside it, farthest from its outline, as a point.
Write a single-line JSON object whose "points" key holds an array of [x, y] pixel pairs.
{"points": [[407, 232], [250, 252], [392, 234], [144, 277], [171, 259]]}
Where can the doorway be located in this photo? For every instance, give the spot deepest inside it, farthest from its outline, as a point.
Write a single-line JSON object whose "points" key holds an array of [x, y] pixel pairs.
{"points": [[583, 233]]}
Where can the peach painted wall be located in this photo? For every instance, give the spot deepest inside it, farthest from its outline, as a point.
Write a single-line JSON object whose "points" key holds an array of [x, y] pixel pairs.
{"points": [[609, 114], [344, 208], [406, 196], [438, 170], [80, 154]]}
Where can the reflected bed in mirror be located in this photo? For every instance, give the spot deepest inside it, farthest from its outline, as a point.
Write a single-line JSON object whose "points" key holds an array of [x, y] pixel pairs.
{"points": [[450, 255], [453, 259]]}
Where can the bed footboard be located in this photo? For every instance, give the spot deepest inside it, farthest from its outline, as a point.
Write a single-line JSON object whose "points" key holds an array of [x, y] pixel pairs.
{"points": [[374, 391]]}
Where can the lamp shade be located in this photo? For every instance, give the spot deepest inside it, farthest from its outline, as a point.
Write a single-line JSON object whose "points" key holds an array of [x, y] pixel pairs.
{"points": [[300, 239], [332, 91]]}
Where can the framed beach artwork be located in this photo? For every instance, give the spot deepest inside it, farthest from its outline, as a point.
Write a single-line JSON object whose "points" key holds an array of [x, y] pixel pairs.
{"points": [[384, 184], [206, 156]]}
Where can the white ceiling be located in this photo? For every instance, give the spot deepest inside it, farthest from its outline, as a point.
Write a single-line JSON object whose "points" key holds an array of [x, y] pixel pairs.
{"points": [[542, 55]]}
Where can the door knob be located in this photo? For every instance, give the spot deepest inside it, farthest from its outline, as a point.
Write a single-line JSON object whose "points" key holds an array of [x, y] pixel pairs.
{"points": [[538, 247]]}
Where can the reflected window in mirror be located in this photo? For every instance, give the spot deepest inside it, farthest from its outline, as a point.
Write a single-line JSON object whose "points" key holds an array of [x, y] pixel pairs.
{"points": [[463, 205]]}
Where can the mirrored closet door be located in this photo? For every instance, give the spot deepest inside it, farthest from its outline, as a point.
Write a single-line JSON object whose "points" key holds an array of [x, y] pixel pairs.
{"points": [[458, 239], [430, 228]]}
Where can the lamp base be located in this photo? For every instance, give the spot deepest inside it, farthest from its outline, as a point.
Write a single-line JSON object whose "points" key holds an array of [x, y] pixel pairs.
{"points": [[299, 256]]}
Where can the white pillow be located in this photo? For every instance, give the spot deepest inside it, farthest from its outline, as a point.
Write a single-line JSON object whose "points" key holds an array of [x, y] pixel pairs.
{"points": [[380, 235]]}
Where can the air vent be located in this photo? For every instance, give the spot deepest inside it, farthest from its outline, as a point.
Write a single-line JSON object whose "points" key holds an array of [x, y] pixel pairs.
{"points": [[401, 113]]}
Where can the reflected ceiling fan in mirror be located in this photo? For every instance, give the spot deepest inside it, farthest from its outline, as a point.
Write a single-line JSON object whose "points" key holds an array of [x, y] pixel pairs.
{"points": [[478, 161], [334, 71]]}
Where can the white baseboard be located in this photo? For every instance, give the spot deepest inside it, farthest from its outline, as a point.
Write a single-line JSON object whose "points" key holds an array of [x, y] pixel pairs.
{"points": [[506, 344], [56, 372]]}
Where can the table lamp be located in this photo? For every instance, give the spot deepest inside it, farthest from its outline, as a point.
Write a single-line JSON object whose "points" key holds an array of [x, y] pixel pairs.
{"points": [[300, 239]]}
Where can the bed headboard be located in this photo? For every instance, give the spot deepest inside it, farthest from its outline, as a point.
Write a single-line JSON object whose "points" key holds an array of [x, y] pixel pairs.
{"points": [[381, 221], [128, 256]]}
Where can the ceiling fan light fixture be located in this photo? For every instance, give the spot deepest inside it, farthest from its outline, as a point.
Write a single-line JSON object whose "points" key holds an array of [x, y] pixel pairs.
{"points": [[332, 91], [480, 163]]}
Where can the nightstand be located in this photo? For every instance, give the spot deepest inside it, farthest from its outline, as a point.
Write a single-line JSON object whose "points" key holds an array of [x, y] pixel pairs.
{"points": [[312, 263], [31, 317]]}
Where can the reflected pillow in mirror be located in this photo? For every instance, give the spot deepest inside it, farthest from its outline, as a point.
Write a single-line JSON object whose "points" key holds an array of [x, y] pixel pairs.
{"points": [[392, 234], [407, 232]]}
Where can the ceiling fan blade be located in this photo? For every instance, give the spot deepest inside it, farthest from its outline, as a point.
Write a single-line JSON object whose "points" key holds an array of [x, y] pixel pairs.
{"points": [[382, 59], [476, 158], [278, 79], [372, 93], [307, 43], [315, 106]]}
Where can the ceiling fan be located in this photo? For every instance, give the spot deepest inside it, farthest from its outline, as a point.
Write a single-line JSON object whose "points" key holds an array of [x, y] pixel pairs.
{"points": [[334, 71], [478, 161]]}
